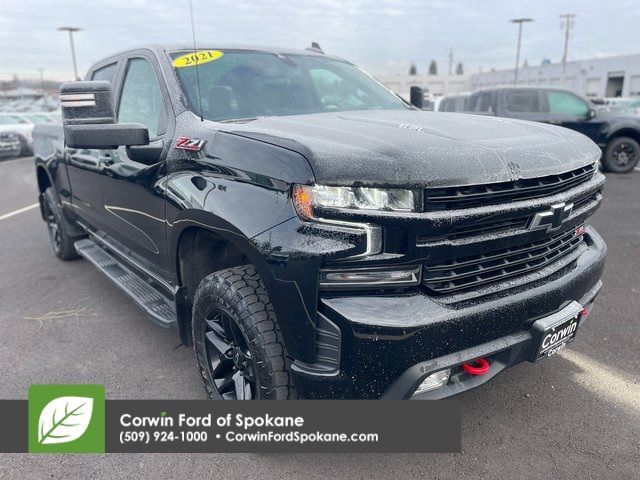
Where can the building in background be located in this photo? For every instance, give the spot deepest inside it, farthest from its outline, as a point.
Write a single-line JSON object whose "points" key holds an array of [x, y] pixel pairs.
{"points": [[436, 85], [617, 76]]}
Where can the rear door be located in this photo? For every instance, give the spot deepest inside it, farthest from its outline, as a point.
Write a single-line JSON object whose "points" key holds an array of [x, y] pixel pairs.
{"points": [[134, 203], [85, 167], [524, 104]]}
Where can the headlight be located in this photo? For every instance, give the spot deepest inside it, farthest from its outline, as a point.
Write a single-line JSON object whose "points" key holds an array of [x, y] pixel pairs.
{"points": [[306, 198]]}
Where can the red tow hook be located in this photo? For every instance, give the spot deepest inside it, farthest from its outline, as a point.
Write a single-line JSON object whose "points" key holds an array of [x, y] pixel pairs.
{"points": [[479, 366]]}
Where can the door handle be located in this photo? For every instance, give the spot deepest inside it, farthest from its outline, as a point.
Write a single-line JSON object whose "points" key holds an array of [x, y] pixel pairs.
{"points": [[84, 160]]}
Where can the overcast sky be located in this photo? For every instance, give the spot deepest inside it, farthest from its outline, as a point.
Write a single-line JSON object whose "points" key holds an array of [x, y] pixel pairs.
{"points": [[375, 34]]}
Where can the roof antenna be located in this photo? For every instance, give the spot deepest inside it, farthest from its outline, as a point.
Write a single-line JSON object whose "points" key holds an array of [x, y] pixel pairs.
{"points": [[315, 47], [195, 52]]}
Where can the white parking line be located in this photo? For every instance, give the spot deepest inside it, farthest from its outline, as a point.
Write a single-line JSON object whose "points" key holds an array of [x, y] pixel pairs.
{"points": [[604, 381], [20, 210]]}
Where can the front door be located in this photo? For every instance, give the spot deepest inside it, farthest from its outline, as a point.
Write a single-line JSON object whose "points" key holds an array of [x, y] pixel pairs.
{"points": [[571, 111], [134, 204], [85, 167]]}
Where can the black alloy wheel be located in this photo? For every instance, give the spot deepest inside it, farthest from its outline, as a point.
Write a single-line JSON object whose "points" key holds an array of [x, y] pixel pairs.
{"points": [[624, 154], [621, 155], [231, 364]]}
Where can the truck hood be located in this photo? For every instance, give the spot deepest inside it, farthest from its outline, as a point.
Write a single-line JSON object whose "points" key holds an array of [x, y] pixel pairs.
{"points": [[415, 148]]}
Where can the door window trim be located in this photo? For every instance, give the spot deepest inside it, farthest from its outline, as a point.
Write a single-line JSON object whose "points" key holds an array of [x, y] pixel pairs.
{"points": [[168, 111]]}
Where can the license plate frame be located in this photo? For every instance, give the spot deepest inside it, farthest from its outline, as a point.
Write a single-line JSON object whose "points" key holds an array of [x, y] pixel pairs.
{"points": [[555, 332]]}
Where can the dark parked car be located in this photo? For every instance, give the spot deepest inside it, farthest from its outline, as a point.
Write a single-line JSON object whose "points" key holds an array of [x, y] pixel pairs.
{"points": [[617, 134], [313, 235]]}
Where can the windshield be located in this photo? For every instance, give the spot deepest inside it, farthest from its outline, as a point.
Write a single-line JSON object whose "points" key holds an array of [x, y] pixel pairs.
{"points": [[238, 84]]}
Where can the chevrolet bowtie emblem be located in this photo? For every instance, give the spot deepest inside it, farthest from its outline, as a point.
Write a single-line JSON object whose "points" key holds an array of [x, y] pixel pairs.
{"points": [[552, 219]]}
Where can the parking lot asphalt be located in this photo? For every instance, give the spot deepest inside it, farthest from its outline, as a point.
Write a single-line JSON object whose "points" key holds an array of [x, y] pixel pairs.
{"points": [[575, 415]]}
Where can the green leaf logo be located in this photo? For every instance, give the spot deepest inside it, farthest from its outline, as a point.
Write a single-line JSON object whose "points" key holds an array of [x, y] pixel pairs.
{"points": [[64, 419]]}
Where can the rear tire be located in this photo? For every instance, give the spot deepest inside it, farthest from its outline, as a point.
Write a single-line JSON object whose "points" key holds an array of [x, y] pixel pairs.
{"points": [[621, 155], [61, 241], [237, 341]]}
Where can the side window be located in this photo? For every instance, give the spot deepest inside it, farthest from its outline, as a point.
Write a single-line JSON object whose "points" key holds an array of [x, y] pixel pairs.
{"points": [[480, 102], [485, 103], [523, 101], [141, 99], [105, 73], [564, 103]]}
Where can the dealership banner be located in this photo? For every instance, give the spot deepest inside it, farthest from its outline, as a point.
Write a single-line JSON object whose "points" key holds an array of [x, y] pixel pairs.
{"points": [[78, 419]]}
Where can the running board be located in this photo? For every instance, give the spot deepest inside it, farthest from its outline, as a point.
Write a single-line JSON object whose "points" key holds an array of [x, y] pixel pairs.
{"points": [[160, 308]]}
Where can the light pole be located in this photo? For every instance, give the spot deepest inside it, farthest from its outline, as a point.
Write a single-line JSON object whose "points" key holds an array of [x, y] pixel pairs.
{"points": [[73, 49], [519, 21], [568, 18]]}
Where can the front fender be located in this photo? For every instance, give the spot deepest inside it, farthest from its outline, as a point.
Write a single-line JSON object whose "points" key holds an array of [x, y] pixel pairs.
{"points": [[261, 223], [295, 317]]}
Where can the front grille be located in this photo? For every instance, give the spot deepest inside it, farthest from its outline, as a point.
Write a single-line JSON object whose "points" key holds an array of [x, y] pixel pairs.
{"points": [[472, 271], [495, 193], [491, 226]]}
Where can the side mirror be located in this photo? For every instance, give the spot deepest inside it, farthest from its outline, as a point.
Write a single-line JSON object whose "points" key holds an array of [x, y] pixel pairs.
{"points": [[591, 114], [416, 97], [89, 120], [86, 103]]}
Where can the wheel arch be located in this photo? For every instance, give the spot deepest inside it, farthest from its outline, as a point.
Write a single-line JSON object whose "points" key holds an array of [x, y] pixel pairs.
{"points": [[194, 260], [43, 178], [625, 132]]}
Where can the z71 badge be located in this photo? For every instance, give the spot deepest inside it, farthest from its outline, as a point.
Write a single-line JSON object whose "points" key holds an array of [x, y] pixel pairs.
{"points": [[192, 144]]}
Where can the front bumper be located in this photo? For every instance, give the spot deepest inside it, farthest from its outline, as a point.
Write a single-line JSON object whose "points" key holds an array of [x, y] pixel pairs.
{"points": [[390, 343]]}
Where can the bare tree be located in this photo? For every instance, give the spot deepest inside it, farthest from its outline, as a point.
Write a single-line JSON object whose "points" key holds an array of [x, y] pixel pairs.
{"points": [[433, 68], [460, 69]]}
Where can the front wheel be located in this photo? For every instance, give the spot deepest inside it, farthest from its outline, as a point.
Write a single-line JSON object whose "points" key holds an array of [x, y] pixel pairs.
{"points": [[621, 155], [237, 341]]}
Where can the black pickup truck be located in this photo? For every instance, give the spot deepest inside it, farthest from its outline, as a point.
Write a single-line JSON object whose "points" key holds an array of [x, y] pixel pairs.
{"points": [[617, 134], [313, 235]]}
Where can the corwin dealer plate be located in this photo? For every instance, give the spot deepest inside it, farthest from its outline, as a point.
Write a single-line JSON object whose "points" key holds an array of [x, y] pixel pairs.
{"points": [[555, 332]]}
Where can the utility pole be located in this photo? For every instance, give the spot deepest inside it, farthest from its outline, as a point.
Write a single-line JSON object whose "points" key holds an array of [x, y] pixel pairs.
{"points": [[568, 19], [73, 49], [450, 61], [519, 21]]}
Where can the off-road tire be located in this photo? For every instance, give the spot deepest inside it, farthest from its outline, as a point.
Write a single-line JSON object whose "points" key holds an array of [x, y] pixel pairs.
{"points": [[241, 293]]}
